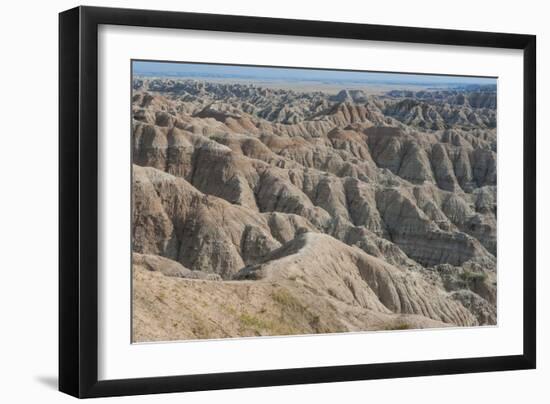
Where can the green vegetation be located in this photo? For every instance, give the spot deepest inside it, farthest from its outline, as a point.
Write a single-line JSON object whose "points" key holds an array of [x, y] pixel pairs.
{"points": [[264, 326], [250, 321], [291, 307], [287, 301], [400, 325], [470, 276]]}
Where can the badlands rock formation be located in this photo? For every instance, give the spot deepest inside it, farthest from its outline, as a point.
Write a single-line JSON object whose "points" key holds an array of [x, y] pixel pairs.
{"points": [[260, 211]]}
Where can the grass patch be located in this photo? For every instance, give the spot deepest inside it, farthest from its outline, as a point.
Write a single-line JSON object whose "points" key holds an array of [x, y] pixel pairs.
{"points": [[256, 324], [230, 309], [470, 276], [201, 330], [296, 316], [287, 301], [400, 325], [250, 321], [161, 297]]}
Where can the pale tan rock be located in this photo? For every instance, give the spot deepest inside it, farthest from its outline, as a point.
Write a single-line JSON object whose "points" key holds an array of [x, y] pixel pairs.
{"points": [[365, 209], [331, 267], [169, 268], [201, 232], [167, 308]]}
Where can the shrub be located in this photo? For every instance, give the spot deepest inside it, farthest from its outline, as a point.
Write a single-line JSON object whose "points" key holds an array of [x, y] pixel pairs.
{"points": [[287, 301], [254, 322], [400, 325], [470, 276]]}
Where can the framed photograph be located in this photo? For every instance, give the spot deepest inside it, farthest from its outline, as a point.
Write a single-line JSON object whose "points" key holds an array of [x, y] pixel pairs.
{"points": [[251, 201]]}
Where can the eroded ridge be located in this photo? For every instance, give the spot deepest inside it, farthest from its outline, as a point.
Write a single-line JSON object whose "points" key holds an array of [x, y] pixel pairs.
{"points": [[262, 211]]}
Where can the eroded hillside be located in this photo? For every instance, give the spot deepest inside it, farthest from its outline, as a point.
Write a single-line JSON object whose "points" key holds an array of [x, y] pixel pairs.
{"points": [[259, 211]]}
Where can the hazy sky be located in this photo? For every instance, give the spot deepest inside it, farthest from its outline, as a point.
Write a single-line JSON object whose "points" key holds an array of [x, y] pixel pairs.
{"points": [[292, 74]]}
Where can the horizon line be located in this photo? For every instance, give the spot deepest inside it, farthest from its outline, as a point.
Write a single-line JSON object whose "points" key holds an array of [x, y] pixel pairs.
{"points": [[280, 73]]}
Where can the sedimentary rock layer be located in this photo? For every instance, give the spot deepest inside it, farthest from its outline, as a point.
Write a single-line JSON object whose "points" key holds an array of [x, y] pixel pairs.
{"points": [[365, 211]]}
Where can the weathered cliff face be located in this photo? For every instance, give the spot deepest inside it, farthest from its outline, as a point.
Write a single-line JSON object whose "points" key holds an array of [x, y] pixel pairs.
{"points": [[385, 204]]}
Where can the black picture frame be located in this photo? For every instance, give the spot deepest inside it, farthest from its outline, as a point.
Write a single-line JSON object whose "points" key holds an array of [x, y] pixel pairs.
{"points": [[78, 201]]}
